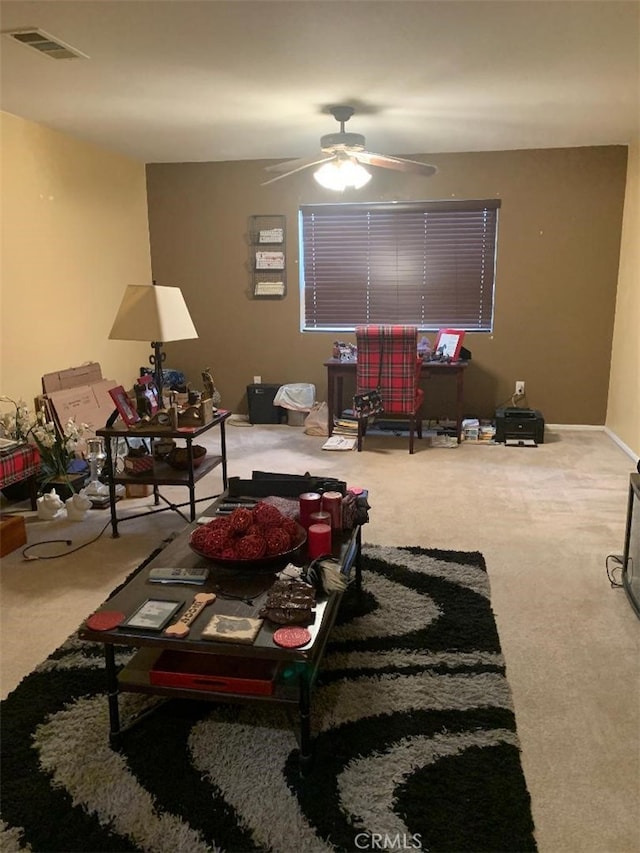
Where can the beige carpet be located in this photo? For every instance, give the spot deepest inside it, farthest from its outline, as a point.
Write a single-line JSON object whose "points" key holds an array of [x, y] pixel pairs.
{"points": [[545, 519]]}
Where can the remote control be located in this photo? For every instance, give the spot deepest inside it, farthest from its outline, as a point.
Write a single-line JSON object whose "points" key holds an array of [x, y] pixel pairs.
{"points": [[228, 508], [177, 575]]}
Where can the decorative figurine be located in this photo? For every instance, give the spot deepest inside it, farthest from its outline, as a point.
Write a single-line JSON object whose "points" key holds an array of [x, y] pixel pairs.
{"points": [[49, 505], [210, 391], [77, 506], [143, 405]]}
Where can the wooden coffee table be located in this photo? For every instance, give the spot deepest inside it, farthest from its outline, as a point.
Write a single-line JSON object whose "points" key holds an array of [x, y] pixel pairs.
{"points": [[239, 593]]}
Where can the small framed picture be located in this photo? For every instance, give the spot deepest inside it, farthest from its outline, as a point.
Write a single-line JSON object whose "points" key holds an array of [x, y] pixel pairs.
{"points": [[448, 343], [150, 392], [153, 615], [123, 404]]}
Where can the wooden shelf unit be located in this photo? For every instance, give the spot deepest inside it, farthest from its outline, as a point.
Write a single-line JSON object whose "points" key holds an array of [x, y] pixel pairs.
{"points": [[267, 256], [161, 473]]}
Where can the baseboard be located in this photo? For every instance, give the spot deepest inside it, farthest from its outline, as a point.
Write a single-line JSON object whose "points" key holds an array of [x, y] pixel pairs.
{"points": [[575, 426], [605, 429], [622, 445]]}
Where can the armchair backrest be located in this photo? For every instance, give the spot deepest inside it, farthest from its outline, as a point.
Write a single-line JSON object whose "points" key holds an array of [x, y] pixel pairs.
{"points": [[398, 347]]}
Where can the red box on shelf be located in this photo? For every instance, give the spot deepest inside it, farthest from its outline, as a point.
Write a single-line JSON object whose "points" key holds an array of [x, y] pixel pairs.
{"points": [[193, 671], [138, 464]]}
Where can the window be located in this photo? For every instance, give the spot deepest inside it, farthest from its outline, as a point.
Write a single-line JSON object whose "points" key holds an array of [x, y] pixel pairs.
{"points": [[430, 264]]}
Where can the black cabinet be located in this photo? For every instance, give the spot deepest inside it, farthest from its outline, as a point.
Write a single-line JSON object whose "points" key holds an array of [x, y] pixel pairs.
{"points": [[260, 404]]}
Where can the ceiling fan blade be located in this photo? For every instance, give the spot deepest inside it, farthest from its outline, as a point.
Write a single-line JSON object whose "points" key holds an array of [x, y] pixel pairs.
{"points": [[397, 163], [296, 165], [305, 164]]}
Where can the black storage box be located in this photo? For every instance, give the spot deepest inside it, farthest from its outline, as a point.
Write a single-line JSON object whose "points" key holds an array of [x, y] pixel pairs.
{"points": [[514, 422], [260, 401]]}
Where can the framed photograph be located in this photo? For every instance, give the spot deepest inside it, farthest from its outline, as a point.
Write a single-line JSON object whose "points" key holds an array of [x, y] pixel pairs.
{"points": [[150, 392], [448, 343], [123, 404], [153, 615]]}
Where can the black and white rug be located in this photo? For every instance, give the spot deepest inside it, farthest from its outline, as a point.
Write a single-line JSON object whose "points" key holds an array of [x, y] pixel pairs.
{"points": [[416, 742]]}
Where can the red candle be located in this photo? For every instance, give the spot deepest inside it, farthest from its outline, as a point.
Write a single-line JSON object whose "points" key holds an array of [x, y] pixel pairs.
{"points": [[332, 503], [321, 517], [309, 502], [319, 540]]}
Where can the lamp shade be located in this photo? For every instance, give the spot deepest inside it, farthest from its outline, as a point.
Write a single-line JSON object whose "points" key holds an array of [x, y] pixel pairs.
{"points": [[152, 313], [342, 173]]}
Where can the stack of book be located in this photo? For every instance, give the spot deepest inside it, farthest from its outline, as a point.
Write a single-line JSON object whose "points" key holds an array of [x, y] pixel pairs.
{"points": [[474, 429], [487, 431], [345, 425], [470, 429]]}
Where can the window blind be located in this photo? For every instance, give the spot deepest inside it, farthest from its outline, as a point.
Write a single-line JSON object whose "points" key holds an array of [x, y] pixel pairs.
{"points": [[430, 264]]}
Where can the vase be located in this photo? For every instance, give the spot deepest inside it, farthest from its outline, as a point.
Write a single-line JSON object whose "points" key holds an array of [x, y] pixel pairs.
{"points": [[66, 486]]}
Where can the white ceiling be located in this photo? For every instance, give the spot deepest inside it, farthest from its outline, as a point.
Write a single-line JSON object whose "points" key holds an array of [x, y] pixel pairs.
{"points": [[178, 81]]}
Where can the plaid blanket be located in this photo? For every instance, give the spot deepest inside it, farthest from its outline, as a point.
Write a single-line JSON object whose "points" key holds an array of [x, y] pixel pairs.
{"points": [[18, 464], [398, 347]]}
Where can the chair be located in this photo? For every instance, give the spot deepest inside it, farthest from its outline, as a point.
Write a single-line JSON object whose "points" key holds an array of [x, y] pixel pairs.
{"points": [[399, 374]]}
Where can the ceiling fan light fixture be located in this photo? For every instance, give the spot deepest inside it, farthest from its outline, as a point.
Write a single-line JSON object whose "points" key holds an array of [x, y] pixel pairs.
{"points": [[342, 173]]}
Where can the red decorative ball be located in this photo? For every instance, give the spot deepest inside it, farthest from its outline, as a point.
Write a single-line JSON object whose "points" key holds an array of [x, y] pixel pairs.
{"points": [[291, 528], [240, 520], [278, 541], [251, 548], [265, 513]]}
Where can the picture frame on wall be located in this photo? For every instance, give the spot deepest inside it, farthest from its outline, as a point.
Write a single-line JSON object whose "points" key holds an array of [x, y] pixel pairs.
{"points": [[124, 406]]}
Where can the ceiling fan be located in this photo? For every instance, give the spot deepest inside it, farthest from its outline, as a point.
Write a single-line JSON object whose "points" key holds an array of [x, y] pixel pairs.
{"points": [[342, 157]]}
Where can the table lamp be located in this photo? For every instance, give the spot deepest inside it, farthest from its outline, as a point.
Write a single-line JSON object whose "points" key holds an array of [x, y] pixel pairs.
{"points": [[152, 313]]}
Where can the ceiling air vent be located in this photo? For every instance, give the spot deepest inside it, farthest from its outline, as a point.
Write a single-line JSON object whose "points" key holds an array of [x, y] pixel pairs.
{"points": [[45, 43]]}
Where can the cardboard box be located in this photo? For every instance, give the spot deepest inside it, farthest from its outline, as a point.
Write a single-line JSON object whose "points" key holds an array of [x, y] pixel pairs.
{"points": [[79, 393], [13, 533], [139, 490], [86, 404], [73, 377]]}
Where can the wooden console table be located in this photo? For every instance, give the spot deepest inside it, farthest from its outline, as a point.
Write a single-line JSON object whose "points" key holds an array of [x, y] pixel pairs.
{"points": [[162, 474], [337, 371]]}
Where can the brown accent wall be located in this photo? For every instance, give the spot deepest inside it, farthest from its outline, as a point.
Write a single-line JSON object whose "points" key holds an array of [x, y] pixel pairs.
{"points": [[557, 269]]}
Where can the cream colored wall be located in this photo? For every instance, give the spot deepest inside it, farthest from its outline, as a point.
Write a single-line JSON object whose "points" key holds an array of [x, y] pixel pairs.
{"points": [[623, 409], [74, 233]]}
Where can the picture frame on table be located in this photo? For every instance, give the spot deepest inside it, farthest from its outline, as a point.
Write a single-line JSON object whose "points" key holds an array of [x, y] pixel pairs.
{"points": [[123, 404], [448, 343], [150, 392], [153, 615]]}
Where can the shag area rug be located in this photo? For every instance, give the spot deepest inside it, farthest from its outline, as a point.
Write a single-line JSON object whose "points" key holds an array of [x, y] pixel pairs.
{"points": [[416, 743]]}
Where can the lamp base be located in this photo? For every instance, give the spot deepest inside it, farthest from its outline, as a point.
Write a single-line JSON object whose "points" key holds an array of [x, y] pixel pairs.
{"points": [[156, 360]]}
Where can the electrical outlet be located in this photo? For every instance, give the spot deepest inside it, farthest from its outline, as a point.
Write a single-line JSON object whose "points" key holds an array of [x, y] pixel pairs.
{"points": [[257, 380], [519, 388]]}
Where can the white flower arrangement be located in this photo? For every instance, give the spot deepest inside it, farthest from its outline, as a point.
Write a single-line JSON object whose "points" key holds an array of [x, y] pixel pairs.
{"points": [[16, 424], [58, 449]]}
